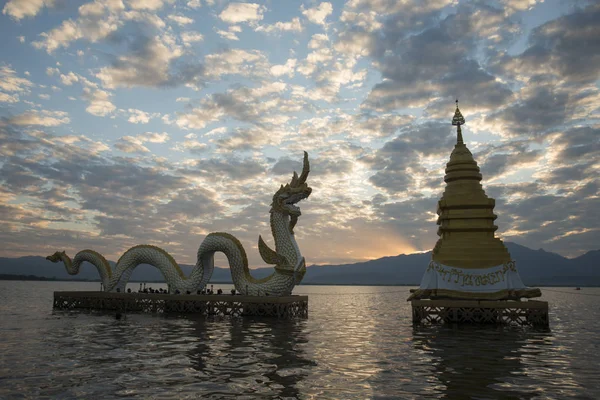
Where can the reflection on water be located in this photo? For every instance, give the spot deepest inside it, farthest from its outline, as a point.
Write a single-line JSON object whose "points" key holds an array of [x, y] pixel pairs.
{"points": [[358, 343], [253, 357], [485, 362]]}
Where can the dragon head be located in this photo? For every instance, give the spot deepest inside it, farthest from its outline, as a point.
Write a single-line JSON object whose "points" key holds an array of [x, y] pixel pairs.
{"points": [[285, 199], [56, 257]]}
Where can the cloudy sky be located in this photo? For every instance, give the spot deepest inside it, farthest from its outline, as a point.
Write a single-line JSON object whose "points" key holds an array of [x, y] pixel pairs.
{"points": [[158, 121]]}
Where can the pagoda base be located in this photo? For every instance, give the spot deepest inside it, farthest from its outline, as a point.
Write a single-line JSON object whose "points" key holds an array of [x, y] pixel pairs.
{"points": [[524, 313], [218, 304]]}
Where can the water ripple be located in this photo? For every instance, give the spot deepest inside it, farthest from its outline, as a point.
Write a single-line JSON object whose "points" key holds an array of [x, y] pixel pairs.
{"points": [[358, 343]]}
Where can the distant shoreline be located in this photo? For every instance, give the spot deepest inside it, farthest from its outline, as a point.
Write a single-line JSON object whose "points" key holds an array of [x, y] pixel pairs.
{"points": [[10, 277]]}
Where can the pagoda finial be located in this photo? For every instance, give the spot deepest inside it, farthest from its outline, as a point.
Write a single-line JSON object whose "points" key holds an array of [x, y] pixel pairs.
{"points": [[458, 120]]}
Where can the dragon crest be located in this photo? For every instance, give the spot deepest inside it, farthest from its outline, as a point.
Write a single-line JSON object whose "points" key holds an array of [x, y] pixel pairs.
{"points": [[284, 202], [285, 199]]}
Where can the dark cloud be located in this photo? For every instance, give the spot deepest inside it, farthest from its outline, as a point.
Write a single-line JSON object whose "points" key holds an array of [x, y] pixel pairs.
{"points": [[191, 203], [18, 178], [497, 159], [568, 47], [285, 165], [439, 61], [579, 144], [541, 109], [569, 174], [397, 163], [568, 224], [265, 107], [319, 166], [151, 59], [225, 169]]}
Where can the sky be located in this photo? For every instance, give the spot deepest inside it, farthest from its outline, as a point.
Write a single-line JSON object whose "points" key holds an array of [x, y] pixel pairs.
{"points": [[127, 122]]}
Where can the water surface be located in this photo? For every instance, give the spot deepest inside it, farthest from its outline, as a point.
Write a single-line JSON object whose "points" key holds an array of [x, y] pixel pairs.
{"points": [[358, 343]]}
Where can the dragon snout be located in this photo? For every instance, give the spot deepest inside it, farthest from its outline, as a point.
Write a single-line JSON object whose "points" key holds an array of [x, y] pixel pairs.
{"points": [[54, 257]]}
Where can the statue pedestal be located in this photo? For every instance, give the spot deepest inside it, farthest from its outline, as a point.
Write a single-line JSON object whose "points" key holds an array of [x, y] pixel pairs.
{"points": [[501, 282], [216, 304], [504, 312]]}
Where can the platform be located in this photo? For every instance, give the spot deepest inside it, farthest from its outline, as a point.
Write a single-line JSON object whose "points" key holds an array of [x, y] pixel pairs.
{"points": [[217, 304], [503, 312]]}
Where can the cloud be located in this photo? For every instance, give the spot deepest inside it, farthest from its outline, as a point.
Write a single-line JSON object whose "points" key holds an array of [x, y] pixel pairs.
{"points": [[427, 58], [191, 145], [248, 139], [19, 9], [130, 144], [232, 168], [96, 21], [567, 47], [564, 222], [100, 104], [181, 19], [507, 158], [191, 37], [8, 98], [539, 109], [134, 144], [144, 18], [154, 137], [138, 116], [151, 5], [262, 106], [147, 64], [41, 118], [236, 13], [398, 165], [512, 6], [52, 71], [69, 78], [291, 26], [230, 33], [10, 82], [284, 69], [194, 4], [318, 14], [236, 62]]}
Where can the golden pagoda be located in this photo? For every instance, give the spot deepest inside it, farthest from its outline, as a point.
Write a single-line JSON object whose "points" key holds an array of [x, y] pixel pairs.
{"points": [[468, 262]]}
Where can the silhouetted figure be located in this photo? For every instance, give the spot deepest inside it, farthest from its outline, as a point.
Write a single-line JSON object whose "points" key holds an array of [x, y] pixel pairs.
{"points": [[129, 290], [118, 315], [233, 291], [177, 291], [199, 291], [219, 291], [188, 292]]}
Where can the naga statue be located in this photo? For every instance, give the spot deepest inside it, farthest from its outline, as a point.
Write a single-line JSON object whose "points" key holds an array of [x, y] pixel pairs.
{"points": [[288, 261]]}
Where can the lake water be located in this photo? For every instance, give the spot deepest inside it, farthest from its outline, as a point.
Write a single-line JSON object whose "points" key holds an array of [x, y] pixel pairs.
{"points": [[358, 343]]}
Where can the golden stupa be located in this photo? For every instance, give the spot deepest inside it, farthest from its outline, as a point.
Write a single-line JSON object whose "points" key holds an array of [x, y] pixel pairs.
{"points": [[468, 261]]}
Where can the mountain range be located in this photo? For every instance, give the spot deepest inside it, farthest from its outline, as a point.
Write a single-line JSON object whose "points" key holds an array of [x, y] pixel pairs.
{"points": [[536, 267]]}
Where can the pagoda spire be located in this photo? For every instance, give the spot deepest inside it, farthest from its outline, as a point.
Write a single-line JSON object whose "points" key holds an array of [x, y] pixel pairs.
{"points": [[458, 120]]}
